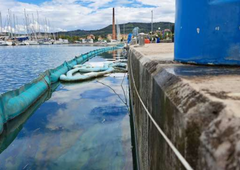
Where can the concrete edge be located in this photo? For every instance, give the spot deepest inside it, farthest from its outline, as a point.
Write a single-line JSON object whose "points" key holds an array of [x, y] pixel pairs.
{"points": [[201, 115]]}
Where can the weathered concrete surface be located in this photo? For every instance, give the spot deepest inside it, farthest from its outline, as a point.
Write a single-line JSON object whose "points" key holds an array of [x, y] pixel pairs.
{"points": [[198, 108]]}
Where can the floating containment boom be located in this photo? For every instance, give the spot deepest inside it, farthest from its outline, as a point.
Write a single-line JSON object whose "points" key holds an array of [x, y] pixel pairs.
{"points": [[208, 32], [14, 103], [87, 72]]}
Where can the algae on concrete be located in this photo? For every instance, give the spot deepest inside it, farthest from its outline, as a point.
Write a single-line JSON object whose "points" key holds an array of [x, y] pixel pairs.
{"points": [[196, 106]]}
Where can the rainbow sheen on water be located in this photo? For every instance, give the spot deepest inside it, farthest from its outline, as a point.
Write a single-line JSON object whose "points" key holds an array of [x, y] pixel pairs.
{"points": [[82, 126]]}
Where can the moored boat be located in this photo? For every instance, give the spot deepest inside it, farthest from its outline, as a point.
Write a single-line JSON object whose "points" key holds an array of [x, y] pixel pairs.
{"points": [[3, 43], [24, 43], [6, 43], [33, 42], [47, 43]]}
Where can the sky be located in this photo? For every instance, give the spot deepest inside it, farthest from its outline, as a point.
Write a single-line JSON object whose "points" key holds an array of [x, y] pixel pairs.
{"points": [[65, 15]]}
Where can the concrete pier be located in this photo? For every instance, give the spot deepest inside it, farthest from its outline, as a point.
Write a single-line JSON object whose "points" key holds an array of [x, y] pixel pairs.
{"points": [[197, 107]]}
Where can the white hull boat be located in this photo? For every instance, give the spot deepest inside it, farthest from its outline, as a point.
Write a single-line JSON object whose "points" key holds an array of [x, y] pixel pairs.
{"points": [[47, 43], [3, 43], [6, 43], [24, 43], [33, 43], [9, 43]]}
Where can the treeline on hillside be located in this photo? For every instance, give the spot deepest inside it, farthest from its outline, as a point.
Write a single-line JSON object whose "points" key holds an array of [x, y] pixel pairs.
{"points": [[125, 28]]}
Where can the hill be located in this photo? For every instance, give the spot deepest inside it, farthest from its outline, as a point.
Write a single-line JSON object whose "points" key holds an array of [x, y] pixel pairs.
{"points": [[143, 27]]}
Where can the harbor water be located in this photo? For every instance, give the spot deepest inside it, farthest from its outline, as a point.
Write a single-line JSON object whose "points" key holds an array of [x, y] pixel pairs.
{"points": [[79, 126], [21, 64]]}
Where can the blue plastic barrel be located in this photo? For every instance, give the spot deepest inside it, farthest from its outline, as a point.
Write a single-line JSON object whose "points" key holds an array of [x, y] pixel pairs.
{"points": [[208, 32]]}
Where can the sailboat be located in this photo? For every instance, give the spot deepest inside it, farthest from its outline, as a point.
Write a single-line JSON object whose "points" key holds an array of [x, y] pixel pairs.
{"points": [[2, 43], [8, 21]]}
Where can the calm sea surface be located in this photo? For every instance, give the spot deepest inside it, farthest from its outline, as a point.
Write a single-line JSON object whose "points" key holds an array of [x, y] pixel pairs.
{"points": [[81, 126], [21, 64]]}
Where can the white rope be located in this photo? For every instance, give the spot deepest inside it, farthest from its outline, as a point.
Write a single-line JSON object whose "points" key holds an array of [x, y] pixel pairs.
{"points": [[174, 149]]}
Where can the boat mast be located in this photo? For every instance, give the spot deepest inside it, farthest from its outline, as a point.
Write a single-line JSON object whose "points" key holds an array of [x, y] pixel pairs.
{"points": [[50, 30], [26, 21], [45, 28], [1, 22], [29, 27], [6, 25], [33, 27], [10, 23], [38, 21], [5, 29], [14, 25], [17, 27], [54, 33]]}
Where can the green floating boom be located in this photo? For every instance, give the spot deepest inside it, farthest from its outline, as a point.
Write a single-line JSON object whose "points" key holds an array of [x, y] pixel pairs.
{"points": [[16, 102]]}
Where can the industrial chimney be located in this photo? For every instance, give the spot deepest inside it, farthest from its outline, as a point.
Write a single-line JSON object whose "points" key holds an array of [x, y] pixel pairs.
{"points": [[113, 26]]}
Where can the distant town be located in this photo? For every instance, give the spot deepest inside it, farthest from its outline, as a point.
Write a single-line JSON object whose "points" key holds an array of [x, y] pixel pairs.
{"points": [[35, 31], [161, 29]]}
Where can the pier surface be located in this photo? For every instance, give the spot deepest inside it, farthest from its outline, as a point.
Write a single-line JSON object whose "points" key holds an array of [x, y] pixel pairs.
{"points": [[197, 107]]}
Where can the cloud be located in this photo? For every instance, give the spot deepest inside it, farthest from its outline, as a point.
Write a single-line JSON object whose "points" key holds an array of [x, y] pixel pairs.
{"points": [[85, 14], [96, 4]]}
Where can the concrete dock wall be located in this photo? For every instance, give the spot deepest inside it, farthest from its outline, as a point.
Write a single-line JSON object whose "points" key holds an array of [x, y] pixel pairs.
{"points": [[152, 149], [185, 114]]}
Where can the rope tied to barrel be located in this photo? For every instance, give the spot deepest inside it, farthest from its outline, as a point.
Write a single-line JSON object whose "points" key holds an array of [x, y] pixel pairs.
{"points": [[174, 149]]}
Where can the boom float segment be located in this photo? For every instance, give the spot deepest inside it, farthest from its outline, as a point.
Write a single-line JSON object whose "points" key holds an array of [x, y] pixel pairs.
{"points": [[14, 103]]}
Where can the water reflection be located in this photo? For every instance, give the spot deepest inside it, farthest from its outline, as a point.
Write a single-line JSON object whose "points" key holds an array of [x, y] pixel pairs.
{"points": [[100, 94], [13, 127], [83, 126], [21, 64], [109, 114]]}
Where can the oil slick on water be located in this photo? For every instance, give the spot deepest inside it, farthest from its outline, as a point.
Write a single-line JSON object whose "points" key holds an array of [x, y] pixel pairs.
{"points": [[82, 126]]}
